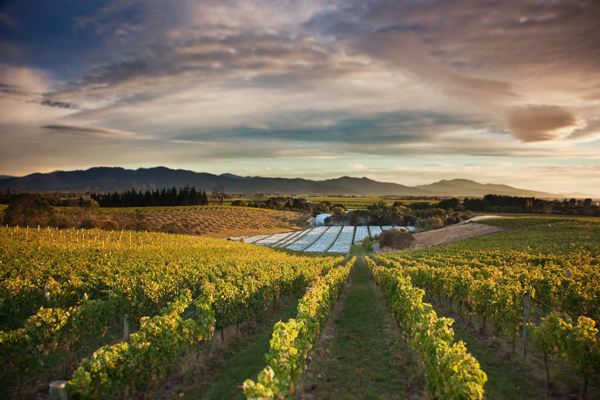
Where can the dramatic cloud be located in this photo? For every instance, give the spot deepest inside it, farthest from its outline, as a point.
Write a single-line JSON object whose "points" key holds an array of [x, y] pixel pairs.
{"points": [[214, 83], [534, 124]]}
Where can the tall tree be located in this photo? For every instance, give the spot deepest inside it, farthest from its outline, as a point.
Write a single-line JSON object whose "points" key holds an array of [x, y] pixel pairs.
{"points": [[219, 193]]}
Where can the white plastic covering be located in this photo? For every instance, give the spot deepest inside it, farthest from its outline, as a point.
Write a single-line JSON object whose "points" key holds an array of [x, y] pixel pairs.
{"points": [[270, 240], [308, 239], [325, 241], [343, 242], [291, 239], [361, 233], [375, 230]]}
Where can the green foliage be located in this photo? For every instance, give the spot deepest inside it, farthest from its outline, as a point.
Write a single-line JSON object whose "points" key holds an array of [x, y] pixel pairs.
{"points": [[450, 371], [449, 204], [50, 329], [337, 211], [489, 275], [142, 272], [554, 259], [133, 367], [367, 244], [578, 345], [138, 274], [293, 340]]}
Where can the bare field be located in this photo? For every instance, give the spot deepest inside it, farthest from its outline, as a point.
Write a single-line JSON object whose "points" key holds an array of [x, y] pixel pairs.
{"points": [[449, 234]]}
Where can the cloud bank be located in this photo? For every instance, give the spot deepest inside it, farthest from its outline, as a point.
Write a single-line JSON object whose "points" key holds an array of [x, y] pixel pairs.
{"points": [[232, 81]]}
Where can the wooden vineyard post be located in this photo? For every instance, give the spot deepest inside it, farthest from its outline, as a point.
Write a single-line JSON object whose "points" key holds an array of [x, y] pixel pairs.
{"points": [[58, 390], [46, 293], [125, 329], [525, 321]]}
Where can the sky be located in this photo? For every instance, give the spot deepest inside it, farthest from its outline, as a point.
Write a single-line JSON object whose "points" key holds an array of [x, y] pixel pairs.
{"points": [[410, 92]]}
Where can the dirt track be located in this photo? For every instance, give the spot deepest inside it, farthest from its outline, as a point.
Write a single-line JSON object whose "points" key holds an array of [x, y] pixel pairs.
{"points": [[449, 234]]}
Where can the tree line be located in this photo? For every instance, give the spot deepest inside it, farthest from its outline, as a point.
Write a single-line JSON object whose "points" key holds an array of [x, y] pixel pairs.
{"points": [[531, 205], [185, 196]]}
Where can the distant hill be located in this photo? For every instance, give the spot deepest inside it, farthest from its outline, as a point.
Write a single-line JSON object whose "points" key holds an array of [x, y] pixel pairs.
{"points": [[5, 177], [369, 186], [110, 179], [465, 187]]}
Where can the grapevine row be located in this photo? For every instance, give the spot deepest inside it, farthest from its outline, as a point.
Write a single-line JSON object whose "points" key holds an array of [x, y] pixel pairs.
{"points": [[558, 261], [52, 329], [577, 344], [495, 290], [479, 293], [450, 371], [132, 367], [293, 340]]}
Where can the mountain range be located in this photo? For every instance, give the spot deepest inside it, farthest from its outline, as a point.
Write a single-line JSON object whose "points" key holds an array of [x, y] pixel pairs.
{"points": [[110, 179]]}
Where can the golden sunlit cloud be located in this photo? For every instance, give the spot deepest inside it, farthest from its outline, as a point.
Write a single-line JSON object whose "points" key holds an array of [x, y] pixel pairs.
{"points": [[97, 132]]}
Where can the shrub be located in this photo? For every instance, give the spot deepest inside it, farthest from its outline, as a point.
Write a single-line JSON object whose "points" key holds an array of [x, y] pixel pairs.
{"points": [[367, 244], [436, 223], [62, 221], [337, 211], [396, 238]]}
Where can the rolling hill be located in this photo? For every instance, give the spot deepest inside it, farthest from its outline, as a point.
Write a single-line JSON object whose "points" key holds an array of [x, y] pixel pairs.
{"points": [[465, 187], [110, 179]]}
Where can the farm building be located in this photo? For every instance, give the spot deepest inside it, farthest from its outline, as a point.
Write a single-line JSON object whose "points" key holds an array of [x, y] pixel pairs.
{"points": [[320, 220]]}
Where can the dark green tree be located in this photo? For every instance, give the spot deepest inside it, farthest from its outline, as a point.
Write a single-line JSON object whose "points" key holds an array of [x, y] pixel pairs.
{"points": [[27, 209]]}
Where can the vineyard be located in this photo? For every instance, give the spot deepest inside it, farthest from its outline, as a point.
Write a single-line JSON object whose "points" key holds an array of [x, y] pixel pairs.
{"points": [[112, 313], [539, 282], [58, 287], [221, 222], [212, 221]]}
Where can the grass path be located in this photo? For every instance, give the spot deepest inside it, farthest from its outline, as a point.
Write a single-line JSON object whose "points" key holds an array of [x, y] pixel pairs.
{"points": [[243, 358], [506, 379], [361, 354]]}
